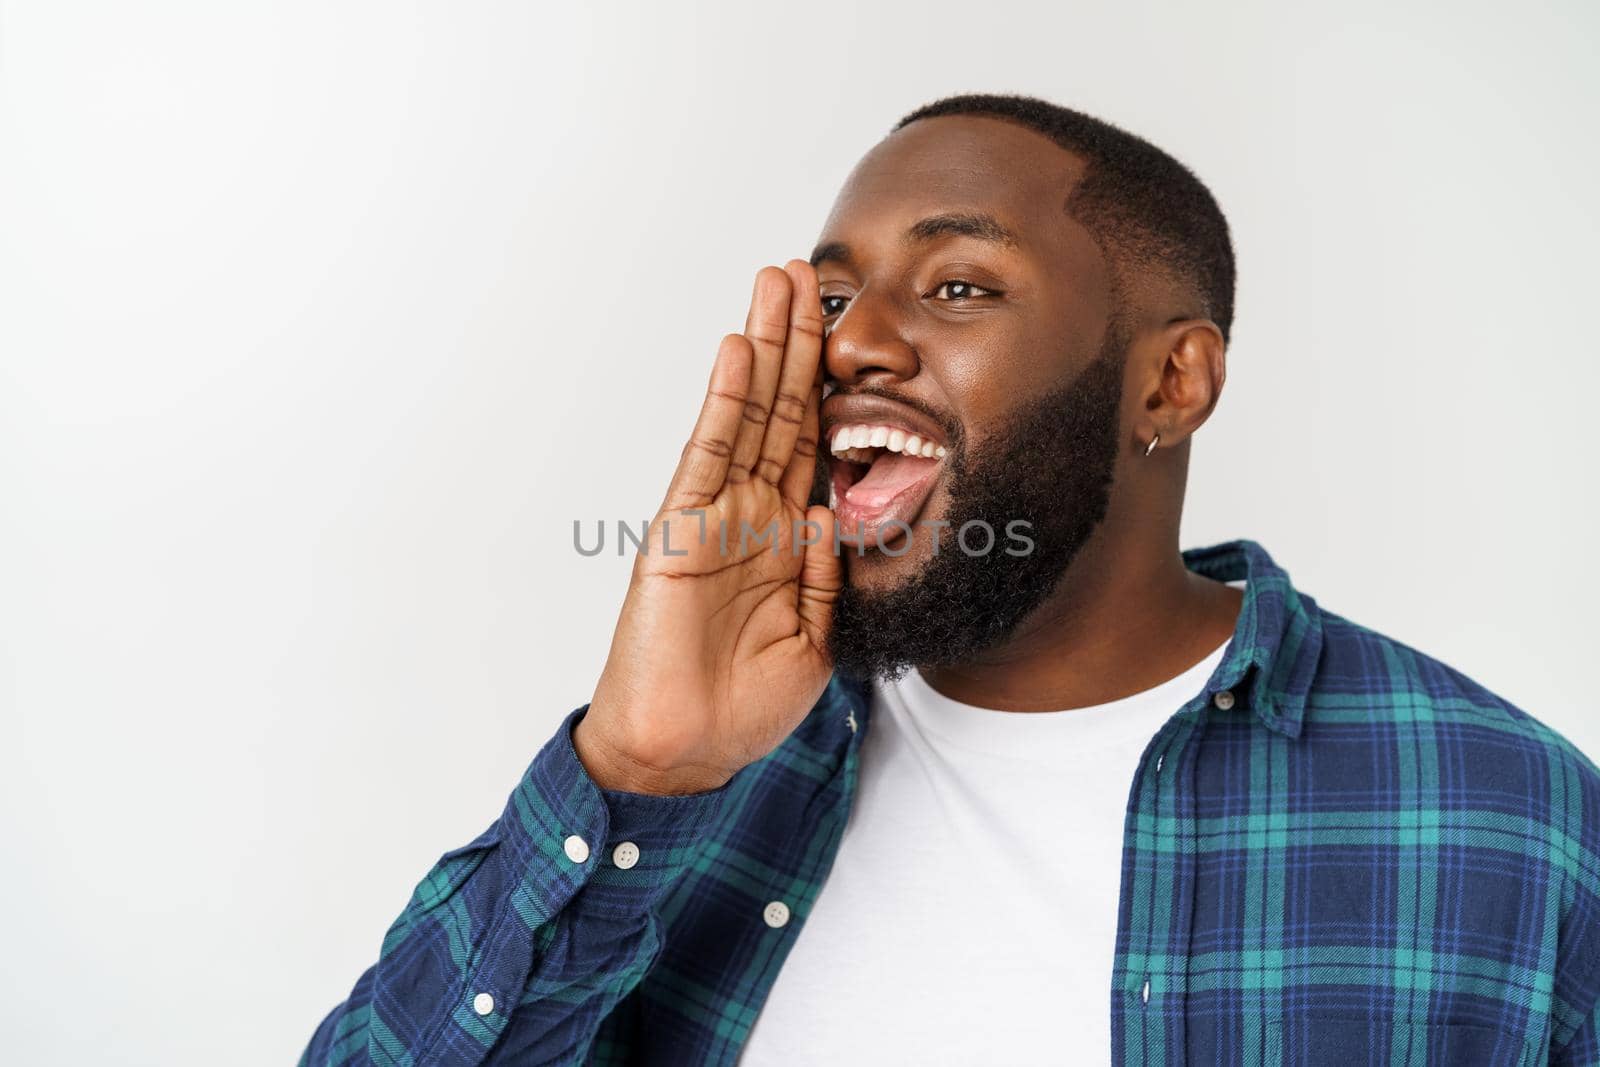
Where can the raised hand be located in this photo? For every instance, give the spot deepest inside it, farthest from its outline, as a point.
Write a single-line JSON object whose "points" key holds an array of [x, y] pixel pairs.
{"points": [[720, 649]]}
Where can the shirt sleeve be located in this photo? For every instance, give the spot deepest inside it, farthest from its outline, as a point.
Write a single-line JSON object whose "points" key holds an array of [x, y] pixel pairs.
{"points": [[548, 917], [1575, 1000], [1575, 996], [1582, 1049]]}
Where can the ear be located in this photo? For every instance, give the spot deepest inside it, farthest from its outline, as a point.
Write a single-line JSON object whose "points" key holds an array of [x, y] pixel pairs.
{"points": [[1184, 382]]}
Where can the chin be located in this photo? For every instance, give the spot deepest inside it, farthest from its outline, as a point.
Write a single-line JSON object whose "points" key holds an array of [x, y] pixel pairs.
{"points": [[877, 570]]}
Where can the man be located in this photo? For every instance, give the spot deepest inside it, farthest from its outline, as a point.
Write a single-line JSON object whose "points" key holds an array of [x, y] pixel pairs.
{"points": [[878, 788]]}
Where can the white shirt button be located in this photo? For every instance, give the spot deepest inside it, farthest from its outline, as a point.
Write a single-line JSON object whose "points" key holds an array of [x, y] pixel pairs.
{"points": [[777, 914], [577, 848], [1223, 700], [625, 855], [483, 1004]]}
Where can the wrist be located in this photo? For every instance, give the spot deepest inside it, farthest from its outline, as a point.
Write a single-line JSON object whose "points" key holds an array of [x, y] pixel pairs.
{"points": [[612, 768]]}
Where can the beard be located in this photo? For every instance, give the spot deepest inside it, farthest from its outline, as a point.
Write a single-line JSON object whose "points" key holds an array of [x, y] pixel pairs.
{"points": [[1051, 466]]}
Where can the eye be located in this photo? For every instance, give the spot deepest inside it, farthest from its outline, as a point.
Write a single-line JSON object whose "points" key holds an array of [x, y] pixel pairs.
{"points": [[832, 305], [959, 290]]}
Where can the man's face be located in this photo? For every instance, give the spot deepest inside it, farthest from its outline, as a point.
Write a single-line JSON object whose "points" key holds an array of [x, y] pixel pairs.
{"points": [[963, 307]]}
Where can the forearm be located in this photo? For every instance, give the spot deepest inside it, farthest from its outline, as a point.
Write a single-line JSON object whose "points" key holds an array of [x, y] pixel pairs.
{"points": [[538, 927]]}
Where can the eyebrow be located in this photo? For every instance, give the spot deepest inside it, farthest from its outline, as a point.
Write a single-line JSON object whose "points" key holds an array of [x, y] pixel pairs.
{"points": [[951, 224]]}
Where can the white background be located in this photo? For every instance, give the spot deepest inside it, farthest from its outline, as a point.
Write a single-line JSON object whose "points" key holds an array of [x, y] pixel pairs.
{"points": [[320, 323]]}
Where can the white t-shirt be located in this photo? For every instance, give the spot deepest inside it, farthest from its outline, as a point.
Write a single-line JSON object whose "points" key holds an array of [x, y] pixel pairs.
{"points": [[970, 916]]}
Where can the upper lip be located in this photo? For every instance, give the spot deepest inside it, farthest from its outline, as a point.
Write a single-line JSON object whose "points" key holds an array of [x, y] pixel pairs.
{"points": [[864, 410]]}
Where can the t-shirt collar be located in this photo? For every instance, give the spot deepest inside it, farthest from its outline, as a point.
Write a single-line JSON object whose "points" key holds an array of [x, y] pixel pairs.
{"points": [[1272, 657]]}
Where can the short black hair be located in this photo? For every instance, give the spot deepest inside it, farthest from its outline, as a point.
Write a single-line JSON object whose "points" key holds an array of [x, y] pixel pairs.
{"points": [[1144, 208]]}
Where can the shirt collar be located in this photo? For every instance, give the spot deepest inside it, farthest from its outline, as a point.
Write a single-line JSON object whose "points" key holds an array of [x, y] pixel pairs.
{"points": [[1272, 656]]}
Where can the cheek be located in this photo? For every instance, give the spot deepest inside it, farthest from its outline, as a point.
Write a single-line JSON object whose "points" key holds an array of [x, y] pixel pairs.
{"points": [[987, 378]]}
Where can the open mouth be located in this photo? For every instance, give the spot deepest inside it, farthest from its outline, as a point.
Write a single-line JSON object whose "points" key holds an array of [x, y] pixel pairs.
{"points": [[881, 475]]}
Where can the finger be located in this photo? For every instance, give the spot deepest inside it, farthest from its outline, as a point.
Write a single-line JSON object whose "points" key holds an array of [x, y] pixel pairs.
{"points": [[801, 349], [766, 326], [703, 467], [821, 580], [801, 473]]}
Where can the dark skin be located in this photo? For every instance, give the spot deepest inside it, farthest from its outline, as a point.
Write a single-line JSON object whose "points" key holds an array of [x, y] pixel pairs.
{"points": [[720, 653], [1035, 320]]}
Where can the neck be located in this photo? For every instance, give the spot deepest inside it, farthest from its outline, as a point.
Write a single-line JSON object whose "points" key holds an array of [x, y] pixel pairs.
{"points": [[1126, 616]]}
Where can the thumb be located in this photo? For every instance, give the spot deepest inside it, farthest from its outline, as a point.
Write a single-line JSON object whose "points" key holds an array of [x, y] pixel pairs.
{"points": [[821, 578]]}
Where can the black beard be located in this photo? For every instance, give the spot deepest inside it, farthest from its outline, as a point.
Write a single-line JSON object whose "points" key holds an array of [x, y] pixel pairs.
{"points": [[1052, 467]]}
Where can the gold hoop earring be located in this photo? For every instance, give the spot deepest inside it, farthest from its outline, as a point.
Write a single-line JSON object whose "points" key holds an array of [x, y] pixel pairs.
{"points": [[1151, 447]]}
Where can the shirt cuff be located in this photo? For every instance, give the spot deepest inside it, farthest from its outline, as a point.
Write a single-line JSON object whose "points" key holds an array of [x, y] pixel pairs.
{"points": [[565, 832]]}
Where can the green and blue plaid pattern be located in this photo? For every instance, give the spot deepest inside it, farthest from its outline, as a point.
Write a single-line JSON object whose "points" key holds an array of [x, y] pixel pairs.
{"points": [[1341, 851]]}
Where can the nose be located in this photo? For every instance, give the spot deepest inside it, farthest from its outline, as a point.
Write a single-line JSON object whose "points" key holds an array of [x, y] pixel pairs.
{"points": [[866, 342]]}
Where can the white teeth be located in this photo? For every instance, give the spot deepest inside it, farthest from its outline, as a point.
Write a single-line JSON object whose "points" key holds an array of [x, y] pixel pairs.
{"points": [[848, 439]]}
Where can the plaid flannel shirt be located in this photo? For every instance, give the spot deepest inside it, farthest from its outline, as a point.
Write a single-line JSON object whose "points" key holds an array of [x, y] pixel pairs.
{"points": [[1340, 851]]}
